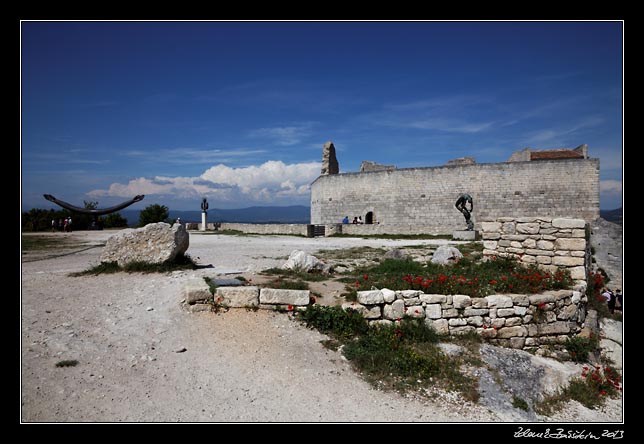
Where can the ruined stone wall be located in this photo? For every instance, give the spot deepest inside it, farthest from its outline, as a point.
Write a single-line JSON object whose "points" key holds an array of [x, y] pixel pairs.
{"points": [[422, 199]]}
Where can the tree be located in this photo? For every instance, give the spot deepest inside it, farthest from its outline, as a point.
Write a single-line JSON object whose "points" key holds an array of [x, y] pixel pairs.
{"points": [[152, 214], [114, 220]]}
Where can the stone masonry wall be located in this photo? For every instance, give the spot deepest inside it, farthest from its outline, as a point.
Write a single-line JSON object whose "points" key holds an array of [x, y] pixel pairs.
{"points": [[530, 322], [287, 229], [547, 242], [422, 199]]}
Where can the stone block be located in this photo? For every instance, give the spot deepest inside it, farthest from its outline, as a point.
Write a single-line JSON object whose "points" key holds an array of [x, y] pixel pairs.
{"points": [[433, 311], [511, 332], [491, 235], [450, 313], [508, 228], [541, 298], [578, 273], [395, 310], [517, 343], [196, 290], [490, 227], [469, 311], [568, 223], [567, 261], [505, 312], [196, 308], [515, 237], [570, 244], [579, 233], [499, 301], [461, 330], [416, 312], [373, 312], [412, 301], [529, 243], [355, 306], [238, 296], [433, 298], [528, 228], [544, 260], [371, 297], [456, 322], [517, 244], [567, 312], [498, 322], [487, 333], [440, 326], [490, 244], [409, 294], [379, 322], [479, 303], [554, 328], [578, 253], [466, 235], [545, 245], [527, 259], [475, 320], [284, 297], [520, 299], [388, 295], [512, 322], [520, 311], [461, 301]]}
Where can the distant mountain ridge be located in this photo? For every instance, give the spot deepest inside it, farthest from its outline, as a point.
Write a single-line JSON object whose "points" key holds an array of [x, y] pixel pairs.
{"points": [[612, 215], [296, 214]]}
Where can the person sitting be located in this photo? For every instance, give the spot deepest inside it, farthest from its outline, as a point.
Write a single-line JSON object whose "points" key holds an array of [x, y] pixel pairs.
{"points": [[345, 220], [360, 220], [355, 220], [618, 295]]}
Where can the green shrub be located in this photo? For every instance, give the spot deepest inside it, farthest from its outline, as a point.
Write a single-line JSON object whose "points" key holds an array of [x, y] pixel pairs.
{"points": [[285, 284], [334, 320], [580, 347]]}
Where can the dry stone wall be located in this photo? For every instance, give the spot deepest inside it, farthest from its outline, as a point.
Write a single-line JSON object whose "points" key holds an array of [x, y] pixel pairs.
{"points": [[422, 199], [532, 322], [549, 243]]}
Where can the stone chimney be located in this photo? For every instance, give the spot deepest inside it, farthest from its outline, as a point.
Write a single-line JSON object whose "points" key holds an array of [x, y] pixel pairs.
{"points": [[329, 161]]}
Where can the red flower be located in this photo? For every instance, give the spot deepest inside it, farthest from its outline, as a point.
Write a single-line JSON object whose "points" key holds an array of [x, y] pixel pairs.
{"points": [[484, 327], [312, 300], [542, 305], [289, 308], [366, 277], [405, 308], [583, 375], [494, 327], [417, 312], [492, 282], [602, 393], [357, 283]]}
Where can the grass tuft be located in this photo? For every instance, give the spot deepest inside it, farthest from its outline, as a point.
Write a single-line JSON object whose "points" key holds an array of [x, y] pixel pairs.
{"points": [[181, 262]]}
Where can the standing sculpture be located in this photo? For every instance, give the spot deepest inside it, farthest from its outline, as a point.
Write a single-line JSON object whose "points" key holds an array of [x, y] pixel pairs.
{"points": [[95, 212], [461, 205], [204, 211]]}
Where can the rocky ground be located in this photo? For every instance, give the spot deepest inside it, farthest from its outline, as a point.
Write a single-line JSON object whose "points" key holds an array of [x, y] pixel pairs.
{"points": [[143, 358]]}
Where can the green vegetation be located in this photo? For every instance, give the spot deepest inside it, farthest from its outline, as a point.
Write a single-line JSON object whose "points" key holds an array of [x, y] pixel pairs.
{"points": [[299, 275], [398, 356], [580, 347], [352, 253], [285, 284], [40, 243], [520, 403], [114, 220], [152, 214], [38, 219], [469, 277], [595, 385], [181, 262], [67, 363]]}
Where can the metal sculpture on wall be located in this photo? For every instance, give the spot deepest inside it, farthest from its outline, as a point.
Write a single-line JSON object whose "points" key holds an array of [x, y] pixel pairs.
{"points": [[95, 212], [461, 205]]}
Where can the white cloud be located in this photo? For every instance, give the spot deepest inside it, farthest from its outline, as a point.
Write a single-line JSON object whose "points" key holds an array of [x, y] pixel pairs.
{"points": [[284, 135], [610, 186], [270, 182]]}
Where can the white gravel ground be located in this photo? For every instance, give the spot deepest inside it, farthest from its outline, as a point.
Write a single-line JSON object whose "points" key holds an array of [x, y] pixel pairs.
{"points": [[126, 331]]}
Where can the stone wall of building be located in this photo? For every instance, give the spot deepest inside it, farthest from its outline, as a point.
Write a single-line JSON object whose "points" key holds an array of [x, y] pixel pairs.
{"points": [[423, 198], [287, 229]]}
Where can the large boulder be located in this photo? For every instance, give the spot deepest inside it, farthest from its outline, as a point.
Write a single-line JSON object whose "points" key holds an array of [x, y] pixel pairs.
{"points": [[446, 255], [300, 261], [154, 244]]}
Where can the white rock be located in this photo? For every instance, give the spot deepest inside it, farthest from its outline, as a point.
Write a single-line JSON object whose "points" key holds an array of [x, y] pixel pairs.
{"points": [[395, 310], [446, 255], [461, 301], [298, 260], [433, 311], [238, 296], [196, 290], [388, 295], [371, 297], [284, 297], [440, 326], [416, 312], [570, 244], [499, 301], [154, 244], [568, 223], [611, 329], [613, 351]]}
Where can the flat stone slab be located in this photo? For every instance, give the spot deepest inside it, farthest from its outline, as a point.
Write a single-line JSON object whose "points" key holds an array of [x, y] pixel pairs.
{"points": [[196, 290], [284, 297], [238, 296], [466, 235], [227, 282]]}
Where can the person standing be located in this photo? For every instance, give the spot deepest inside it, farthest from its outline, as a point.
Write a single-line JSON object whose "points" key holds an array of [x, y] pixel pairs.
{"points": [[53, 225], [69, 224], [618, 295], [65, 225]]}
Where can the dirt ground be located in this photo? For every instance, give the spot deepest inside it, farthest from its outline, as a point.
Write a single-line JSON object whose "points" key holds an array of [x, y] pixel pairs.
{"points": [[143, 358]]}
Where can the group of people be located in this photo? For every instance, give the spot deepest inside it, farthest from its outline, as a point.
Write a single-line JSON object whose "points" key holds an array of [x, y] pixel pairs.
{"points": [[613, 299], [62, 225], [356, 220]]}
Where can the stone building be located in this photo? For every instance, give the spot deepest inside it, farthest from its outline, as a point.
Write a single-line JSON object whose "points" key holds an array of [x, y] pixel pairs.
{"points": [[550, 183]]}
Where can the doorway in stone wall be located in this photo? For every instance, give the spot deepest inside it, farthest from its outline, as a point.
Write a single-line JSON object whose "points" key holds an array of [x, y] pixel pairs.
{"points": [[368, 219]]}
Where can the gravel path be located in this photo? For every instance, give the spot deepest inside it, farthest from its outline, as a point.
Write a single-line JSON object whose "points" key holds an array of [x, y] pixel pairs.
{"points": [[143, 358]]}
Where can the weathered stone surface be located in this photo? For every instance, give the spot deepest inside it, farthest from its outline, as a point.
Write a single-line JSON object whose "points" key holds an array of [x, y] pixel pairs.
{"points": [[433, 298], [511, 322], [611, 329], [155, 243], [613, 351], [227, 282], [520, 311], [371, 297], [238, 296], [554, 328], [451, 350], [479, 302], [409, 294], [329, 161], [461, 301], [373, 312], [510, 332], [196, 290], [466, 235], [355, 306], [379, 322], [412, 301], [544, 260], [567, 312], [395, 310], [508, 228], [197, 308], [490, 235], [578, 233], [520, 299], [416, 312], [578, 253], [490, 227], [456, 322], [388, 295], [498, 322], [499, 301], [477, 321], [528, 228], [284, 297], [298, 260], [517, 343], [542, 298], [578, 273], [568, 223], [570, 244], [450, 313], [396, 254], [568, 261], [446, 255], [469, 311], [505, 312], [528, 259], [529, 243], [462, 330], [487, 333], [440, 326], [433, 311], [545, 245], [490, 244]]}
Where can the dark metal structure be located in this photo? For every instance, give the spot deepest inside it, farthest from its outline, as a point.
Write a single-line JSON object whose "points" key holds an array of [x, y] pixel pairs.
{"points": [[461, 205], [95, 212]]}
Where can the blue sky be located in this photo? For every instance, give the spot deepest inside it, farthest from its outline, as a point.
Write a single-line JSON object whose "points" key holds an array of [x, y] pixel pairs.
{"points": [[238, 111]]}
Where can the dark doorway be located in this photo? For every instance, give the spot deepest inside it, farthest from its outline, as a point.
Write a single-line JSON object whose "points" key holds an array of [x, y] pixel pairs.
{"points": [[368, 219]]}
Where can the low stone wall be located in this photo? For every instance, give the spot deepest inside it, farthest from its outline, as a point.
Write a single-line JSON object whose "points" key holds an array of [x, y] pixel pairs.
{"points": [[510, 320], [371, 229], [547, 242], [286, 229]]}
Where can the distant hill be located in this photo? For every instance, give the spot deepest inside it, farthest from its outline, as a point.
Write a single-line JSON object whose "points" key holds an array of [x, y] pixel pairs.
{"points": [[297, 214], [612, 215]]}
